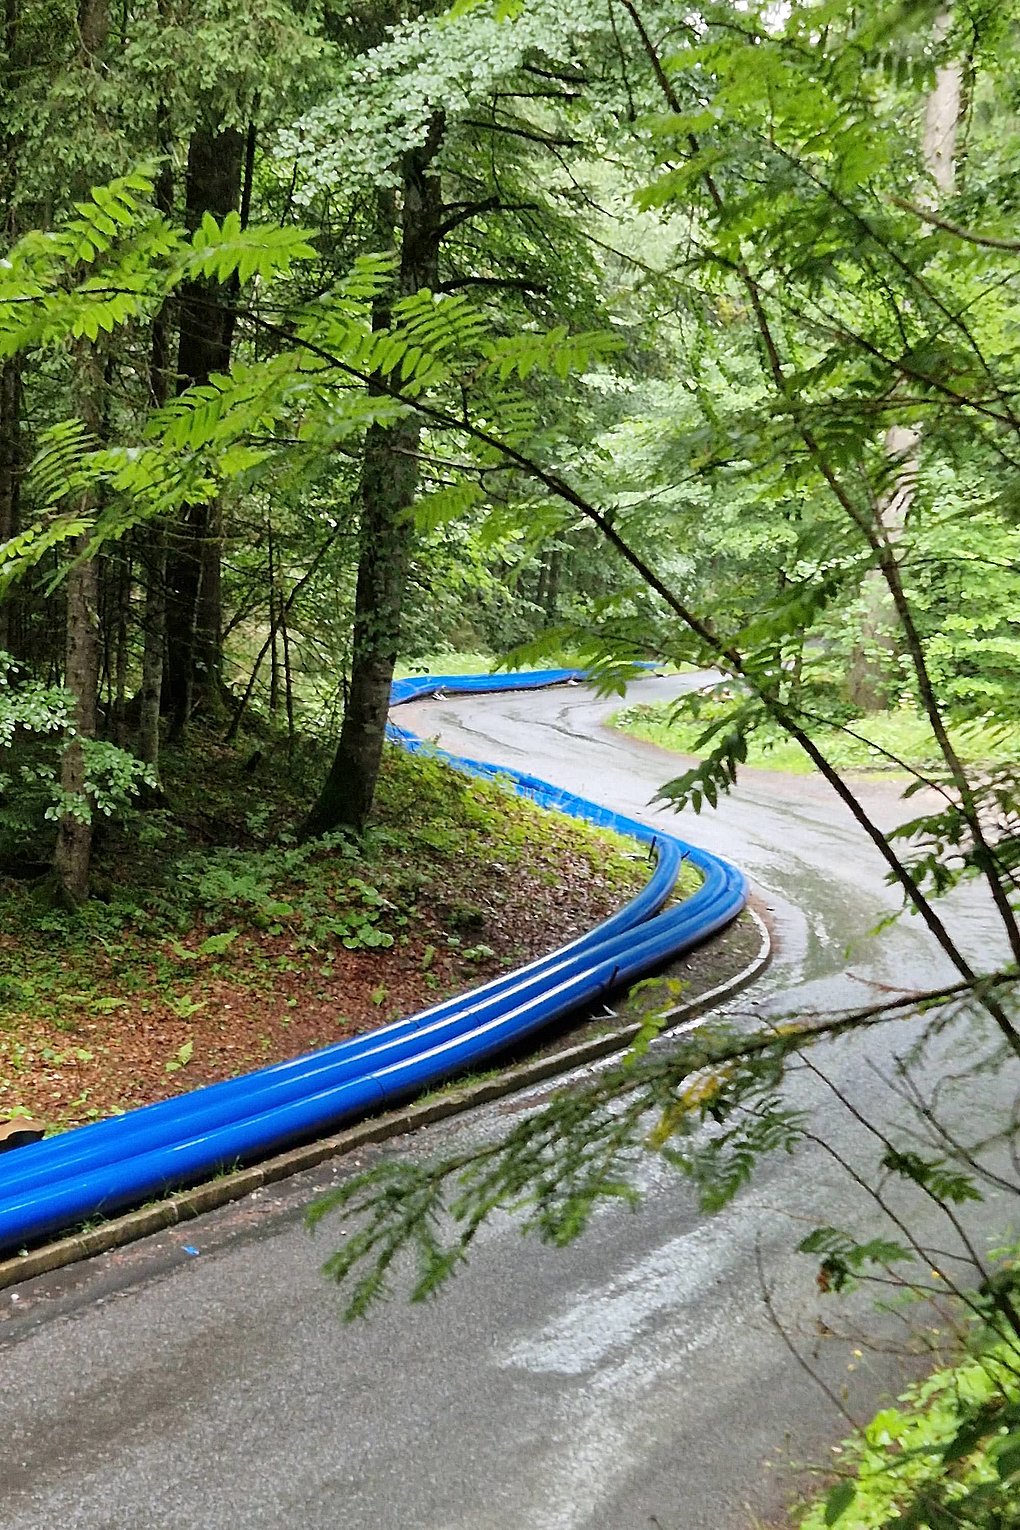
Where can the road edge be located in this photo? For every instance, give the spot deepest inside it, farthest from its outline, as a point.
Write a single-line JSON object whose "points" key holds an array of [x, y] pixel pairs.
{"points": [[185, 1205]]}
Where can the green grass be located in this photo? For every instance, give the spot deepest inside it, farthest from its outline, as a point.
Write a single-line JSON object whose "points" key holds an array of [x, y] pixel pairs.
{"points": [[687, 883], [901, 733], [446, 664], [236, 875], [478, 663]]}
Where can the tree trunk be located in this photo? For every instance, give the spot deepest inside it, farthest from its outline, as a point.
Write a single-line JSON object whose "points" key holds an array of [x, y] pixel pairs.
{"points": [[288, 680], [10, 480], [81, 662], [73, 854], [553, 566], [10, 373], [194, 650], [74, 835], [125, 582], [389, 481], [154, 557], [154, 636], [871, 679]]}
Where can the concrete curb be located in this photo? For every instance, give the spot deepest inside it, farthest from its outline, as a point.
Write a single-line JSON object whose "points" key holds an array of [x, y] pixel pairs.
{"points": [[185, 1205]]}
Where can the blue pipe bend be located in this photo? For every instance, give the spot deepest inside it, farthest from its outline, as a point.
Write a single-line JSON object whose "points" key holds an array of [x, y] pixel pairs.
{"points": [[114, 1163]]}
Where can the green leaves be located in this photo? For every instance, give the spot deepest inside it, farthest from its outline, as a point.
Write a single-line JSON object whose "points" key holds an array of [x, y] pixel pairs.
{"points": [[716, 771], [845, 1257], [25, 550], [557, 1165], [557, 351], [947, 1457], [382, 102], [181, 1058], [30, 791], [114, 260], [935, 1175], [839, 1499], [222, 251], [110, 212], [435, 509], [722, 1163]]}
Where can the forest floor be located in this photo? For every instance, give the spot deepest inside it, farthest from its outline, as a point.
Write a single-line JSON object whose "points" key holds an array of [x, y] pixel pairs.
{"points": [[217, 943]]}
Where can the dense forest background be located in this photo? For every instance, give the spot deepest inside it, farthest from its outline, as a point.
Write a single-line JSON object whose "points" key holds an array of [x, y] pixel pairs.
{"points": [[338, 336]]}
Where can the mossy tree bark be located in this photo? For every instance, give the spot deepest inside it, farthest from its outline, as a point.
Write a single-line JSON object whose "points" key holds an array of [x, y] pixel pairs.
{"points": [[194, 666], [73, 853], [10, 480], [154, 539], [387, 489]]}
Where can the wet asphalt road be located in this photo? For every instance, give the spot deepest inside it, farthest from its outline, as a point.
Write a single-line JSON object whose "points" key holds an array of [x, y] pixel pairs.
{"points": [[635, 1380]]}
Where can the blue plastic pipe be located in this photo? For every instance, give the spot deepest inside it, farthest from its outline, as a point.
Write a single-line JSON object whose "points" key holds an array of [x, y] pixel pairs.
{"points": [[111, 1164]]}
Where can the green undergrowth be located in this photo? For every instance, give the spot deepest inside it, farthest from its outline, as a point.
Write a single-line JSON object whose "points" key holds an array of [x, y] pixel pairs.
{"points": [[225, 860], [216, 889], [947, 1457], [883, 739]]}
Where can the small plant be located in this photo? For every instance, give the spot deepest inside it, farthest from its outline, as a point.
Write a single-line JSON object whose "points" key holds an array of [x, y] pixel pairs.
{"points": [[215, 945], [180, 1059], [479, 953], [106, 1004], [61, 1059], [184, 1007], [13, 991], [462, 917]]}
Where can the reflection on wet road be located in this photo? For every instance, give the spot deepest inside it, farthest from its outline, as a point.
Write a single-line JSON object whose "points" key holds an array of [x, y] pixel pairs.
{"points": [[799, 845]]}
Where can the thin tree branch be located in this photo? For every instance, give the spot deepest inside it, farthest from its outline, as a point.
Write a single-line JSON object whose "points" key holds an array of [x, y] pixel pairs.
{"points": [[987, 241]]}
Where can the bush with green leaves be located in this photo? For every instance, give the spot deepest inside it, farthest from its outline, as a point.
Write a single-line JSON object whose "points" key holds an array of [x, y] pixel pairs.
{"points": [[946, 1458], [36, 725]]}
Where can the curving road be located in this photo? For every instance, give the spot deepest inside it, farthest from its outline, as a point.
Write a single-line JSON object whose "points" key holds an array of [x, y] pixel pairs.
{"points": [[633, 1380]]}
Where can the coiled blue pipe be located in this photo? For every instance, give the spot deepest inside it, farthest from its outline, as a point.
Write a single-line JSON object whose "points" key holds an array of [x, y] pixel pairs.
{"points": [[114, 1163]]}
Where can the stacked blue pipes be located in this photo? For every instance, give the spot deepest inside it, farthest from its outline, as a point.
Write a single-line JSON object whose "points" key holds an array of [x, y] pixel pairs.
{"points": [[97, 1170]]}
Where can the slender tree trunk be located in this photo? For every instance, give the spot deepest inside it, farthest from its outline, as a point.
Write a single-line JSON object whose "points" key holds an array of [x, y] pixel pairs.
{"points": [[871, 679], [274, 651], [10, 373], [154, 554], [10, 481], [120, 650], [540, 583], [288, 679], [73, 854], [194, 649], [154, 637], [389, 482], [554, 564], [208, 650], [283, 610], [81, 663]]}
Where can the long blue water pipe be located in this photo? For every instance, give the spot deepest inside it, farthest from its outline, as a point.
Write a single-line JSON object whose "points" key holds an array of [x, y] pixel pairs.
{"points": [[102, 1168]]}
